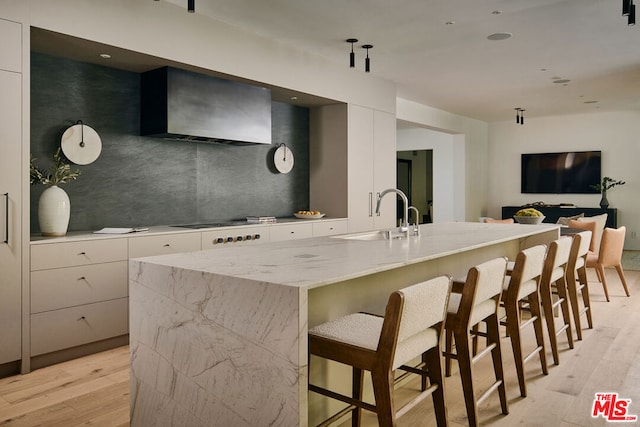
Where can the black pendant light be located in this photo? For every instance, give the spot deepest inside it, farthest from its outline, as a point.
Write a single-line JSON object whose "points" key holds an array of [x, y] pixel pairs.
{"points": [[632, 14], [367, 61], [352, 55], [626, 7], [191, 6]]}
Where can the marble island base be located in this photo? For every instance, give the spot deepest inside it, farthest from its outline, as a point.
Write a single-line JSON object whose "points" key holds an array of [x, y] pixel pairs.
{"points": [[219, 337]]}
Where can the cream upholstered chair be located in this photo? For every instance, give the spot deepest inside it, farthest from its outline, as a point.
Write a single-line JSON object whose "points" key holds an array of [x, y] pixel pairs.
{"points": [[411, 328], [523, 287], [498, 221], [610, 255], [553, 281], [577, 279], [601, 221], [473, 301]]}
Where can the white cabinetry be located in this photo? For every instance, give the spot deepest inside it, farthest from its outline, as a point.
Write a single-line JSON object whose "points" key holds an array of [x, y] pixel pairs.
{"points": [[162, 244], [10, 190], [79, 293], [371, 167]]}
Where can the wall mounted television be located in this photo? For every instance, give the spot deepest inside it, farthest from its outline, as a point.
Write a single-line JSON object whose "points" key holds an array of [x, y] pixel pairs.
{"points": [[561, 173]]}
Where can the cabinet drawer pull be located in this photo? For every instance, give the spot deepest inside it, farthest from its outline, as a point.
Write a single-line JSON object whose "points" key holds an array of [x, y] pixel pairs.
{"points": [[166, 245], [82, 253], [82, 318], [6, 218]]}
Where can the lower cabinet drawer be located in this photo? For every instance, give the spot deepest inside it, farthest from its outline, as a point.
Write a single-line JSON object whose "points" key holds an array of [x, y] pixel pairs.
{"points": [[290, 231], [329, 228], [163, 244], [71, 286], [70, 327]]}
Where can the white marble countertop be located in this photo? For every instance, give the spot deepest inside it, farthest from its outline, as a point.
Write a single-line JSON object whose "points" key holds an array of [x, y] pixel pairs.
{"points": [[309, 263]]}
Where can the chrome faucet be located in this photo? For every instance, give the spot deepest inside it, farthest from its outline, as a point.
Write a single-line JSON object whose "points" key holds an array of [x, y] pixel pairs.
{"points": [[404, 227], [416, 227]]}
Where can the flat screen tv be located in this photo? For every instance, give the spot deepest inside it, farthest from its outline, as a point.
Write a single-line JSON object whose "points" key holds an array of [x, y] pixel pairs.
{"points": [[561, 173]]}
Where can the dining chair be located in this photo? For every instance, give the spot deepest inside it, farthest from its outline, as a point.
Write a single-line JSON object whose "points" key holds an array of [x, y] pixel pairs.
{"points": [[609, 255], [411, 328], [472, 301]]}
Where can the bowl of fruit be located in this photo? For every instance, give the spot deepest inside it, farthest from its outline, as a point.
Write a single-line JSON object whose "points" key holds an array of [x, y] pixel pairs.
{"points": [[308, 214], [529, 216]]}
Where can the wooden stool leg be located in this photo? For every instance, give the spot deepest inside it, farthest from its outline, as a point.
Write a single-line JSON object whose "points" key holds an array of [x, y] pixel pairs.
{"points": [[513, 330], [433, 363], [584, 289], [382, 380], [572, 291], [561, 286], [547, 306], [534, 304], [463, 350], [357, 383], [493, 335], [448, 338]]}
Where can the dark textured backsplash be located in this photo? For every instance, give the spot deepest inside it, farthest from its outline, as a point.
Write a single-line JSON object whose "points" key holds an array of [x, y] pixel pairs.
{"points": [[142, 181]]}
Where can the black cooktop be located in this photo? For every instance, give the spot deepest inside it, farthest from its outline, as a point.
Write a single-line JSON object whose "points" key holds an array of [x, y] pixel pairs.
{"points": [[213, 224]]}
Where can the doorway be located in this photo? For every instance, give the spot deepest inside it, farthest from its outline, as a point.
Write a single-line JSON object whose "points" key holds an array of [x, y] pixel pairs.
{"points": [[415, 179]]}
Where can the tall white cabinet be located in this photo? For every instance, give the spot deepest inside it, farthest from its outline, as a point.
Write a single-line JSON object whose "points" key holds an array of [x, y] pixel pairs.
{"points": [[371, 167], [10, 190]]}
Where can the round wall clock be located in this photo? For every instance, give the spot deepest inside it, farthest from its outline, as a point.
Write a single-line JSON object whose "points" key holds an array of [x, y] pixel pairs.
{"points": [[283, 159], [81, 144]]}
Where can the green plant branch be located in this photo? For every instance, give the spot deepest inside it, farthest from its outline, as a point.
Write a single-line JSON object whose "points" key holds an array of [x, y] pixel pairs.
{"points": [[61, 173], [607, 184]]}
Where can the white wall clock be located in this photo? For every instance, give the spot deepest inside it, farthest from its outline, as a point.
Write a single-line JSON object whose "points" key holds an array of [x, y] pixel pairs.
{"points": [[283, 159], [81, 144]]}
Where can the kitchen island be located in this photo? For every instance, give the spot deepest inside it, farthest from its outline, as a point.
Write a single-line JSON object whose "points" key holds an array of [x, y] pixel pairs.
{"points": [[219, 337]]}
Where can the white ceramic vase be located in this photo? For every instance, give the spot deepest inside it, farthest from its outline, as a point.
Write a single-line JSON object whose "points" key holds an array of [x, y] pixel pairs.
{"points": [[54, 209]]}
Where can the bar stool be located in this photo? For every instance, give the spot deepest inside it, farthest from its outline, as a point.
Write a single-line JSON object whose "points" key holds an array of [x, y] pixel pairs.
{"points": [[476, 300], [523, 287], [553, 281], [577, 279], [411, 328]]}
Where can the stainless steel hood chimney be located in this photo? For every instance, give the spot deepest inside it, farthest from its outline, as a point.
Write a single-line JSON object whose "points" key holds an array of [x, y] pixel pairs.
{"points": [[180, 104]]}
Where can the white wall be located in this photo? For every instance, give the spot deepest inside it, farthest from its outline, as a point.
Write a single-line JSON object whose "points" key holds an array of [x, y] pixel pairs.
{"points": [[615, 134], [461, 168]]}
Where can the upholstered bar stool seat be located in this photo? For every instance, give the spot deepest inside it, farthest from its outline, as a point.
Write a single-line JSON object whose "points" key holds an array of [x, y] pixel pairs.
{"points": [[411, 329]]}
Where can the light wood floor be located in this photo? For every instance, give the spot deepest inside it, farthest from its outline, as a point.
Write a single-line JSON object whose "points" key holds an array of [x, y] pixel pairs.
{"points": [[94, 390]]}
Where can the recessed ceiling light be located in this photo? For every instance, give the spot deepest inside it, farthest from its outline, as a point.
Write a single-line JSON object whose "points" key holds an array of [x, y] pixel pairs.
{"points": [[562, 81], [496, 12], [500, 36], [105, 55], [590, 102], [543, 69], [450, 23]]}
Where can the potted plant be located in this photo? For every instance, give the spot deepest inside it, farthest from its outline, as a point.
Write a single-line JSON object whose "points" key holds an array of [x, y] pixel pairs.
{"points": [[606, 184], [54, 207]]}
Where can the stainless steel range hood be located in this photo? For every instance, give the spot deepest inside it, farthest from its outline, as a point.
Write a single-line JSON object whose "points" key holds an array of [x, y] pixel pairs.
{"points": [[179, 104]]}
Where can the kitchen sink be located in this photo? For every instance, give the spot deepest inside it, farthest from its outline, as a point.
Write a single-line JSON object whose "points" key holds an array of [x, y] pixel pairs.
{"points": [[371, 235]]}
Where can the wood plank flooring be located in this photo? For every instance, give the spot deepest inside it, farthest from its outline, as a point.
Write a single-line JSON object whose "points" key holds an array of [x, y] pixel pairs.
{"points": [[94, 390]]}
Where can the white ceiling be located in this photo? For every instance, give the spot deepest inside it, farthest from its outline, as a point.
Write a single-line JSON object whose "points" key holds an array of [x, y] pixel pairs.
{"points": [[455, 67]]}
